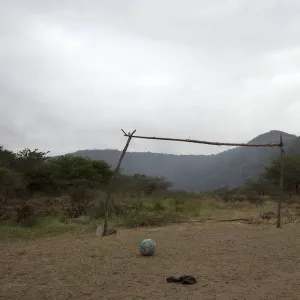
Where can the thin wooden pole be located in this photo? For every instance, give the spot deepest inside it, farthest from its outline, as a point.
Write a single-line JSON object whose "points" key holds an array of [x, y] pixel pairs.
{"points": [[202, 142], [113, 178], [281, 184]]}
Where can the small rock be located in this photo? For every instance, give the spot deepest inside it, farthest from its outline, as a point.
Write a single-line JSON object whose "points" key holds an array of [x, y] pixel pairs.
{"points": [[99, 231], [109, 231]]}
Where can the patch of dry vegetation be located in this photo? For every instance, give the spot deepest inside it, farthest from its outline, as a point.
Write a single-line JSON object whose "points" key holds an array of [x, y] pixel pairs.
{"points": [[146, 211]]}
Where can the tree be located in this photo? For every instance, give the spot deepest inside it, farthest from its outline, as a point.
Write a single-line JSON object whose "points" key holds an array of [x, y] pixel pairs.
{"points": [[10, 183], [74, 169], [77, 176], [42, 178], [32, 171], [291, 173], [148, 185], [259, 185], [7, 158], [28, 159]]}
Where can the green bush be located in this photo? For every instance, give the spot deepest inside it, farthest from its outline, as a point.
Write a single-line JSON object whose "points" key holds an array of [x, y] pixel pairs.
{"points": [[25, 215]]}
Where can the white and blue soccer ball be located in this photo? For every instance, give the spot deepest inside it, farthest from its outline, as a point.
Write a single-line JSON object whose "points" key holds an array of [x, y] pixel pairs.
{"points": [[147, 247]]}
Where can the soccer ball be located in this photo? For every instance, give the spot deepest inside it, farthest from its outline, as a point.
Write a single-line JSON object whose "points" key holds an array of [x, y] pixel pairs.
{"points": [[147, 247]]}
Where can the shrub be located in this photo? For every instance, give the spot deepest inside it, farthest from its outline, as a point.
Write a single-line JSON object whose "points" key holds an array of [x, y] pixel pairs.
{"points": [[179, 205], [25, 215], [158, 206], [11, 184], [144, 218]]}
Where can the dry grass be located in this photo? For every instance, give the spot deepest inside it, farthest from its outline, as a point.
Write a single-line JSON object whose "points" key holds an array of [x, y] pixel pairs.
{"points": [[153, 212], [230, 261]]}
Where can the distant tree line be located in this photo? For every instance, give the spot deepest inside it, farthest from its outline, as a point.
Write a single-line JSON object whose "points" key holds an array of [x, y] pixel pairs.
{"points": [[268, 183], [28, 173]]}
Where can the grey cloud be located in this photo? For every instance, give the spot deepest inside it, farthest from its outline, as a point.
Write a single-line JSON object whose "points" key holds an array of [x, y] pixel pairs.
{"points": [[215, 25], [74, 73]]}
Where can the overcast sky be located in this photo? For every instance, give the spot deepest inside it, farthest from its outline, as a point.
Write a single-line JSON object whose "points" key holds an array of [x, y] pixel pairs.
{"points": [[74, 72]]}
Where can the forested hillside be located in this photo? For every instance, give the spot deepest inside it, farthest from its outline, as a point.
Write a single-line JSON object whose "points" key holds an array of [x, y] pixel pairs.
{"points": [[202, 172]]}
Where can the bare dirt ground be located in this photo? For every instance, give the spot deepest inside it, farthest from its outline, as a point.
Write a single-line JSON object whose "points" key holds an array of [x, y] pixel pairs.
{"points": [[230, 261]]}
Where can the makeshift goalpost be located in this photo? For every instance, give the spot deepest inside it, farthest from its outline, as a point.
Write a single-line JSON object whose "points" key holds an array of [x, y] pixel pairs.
{"points": [[131, 135]]}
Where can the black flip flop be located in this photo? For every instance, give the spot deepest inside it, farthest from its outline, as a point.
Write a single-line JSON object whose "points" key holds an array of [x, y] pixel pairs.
{"points": [[185, 279]]}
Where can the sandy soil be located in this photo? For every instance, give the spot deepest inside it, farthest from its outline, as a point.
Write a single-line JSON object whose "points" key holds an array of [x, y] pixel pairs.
{"points": [[230, 261]]}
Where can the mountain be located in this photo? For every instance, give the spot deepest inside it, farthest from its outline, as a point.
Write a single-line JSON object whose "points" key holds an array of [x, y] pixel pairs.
{"points": [[202, 172]]}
